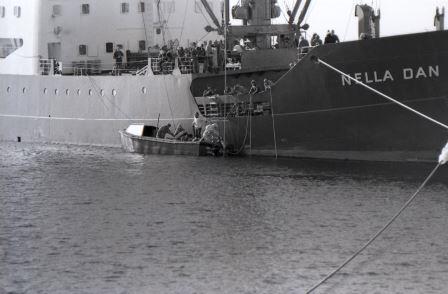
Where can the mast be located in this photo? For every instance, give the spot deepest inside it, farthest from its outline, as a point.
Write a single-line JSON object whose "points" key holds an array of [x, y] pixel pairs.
{"points": [[303, 13], [294, 11], [212, 15]]}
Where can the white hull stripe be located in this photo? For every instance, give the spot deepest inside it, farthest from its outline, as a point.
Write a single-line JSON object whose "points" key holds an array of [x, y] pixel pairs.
{"points": [[90, 119]]}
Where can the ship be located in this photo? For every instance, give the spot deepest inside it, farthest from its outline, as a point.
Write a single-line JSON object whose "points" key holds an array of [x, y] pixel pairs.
{"points": [[48, 93]]}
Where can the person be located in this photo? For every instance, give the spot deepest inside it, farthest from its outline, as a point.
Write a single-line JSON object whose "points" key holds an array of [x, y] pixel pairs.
{"points": [[163, 131], [303, 45], [316, 40], [118, 56], [267, 84], [253, 88], [180, 133], [237, 48], [335, 37], [198, 124], [328, 38], [212, 139], [208, 92]]}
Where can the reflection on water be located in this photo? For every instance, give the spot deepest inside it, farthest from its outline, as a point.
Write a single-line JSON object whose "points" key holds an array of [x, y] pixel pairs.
{"points": [[97, 220]]}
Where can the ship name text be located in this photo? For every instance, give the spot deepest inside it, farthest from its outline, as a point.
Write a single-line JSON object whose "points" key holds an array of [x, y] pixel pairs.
{"points": [[390, 76]]}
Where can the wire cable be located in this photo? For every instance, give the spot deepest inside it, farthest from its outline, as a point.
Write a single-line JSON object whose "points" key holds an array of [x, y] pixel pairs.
{"points": [[372, 239]]}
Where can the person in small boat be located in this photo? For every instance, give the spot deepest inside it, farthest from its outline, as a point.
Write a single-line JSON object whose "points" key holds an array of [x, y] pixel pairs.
{"points": [[180, 133], [198, 125], [212, 139], [163, 131]]}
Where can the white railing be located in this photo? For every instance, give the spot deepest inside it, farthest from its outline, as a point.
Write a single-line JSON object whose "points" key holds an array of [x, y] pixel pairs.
{"points": [[46, 67]]}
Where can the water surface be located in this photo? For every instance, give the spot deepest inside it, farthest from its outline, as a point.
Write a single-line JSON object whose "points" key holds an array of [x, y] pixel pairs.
{"points": [[98, 220]]}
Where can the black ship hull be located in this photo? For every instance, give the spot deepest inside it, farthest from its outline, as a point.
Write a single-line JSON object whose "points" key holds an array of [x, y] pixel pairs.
{"points": [[317, 113]]}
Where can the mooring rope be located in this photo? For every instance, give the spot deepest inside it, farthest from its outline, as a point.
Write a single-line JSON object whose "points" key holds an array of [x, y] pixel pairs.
{"points": [[443, 158], [273, 123], [251, 109], [372, 239], [319, 61]]}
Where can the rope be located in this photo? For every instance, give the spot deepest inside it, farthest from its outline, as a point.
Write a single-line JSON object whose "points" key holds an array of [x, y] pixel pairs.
{"points": [[169, 103], [385, 227], [319, 61], [107, 98], [250, 124], [273, 124], [183, 22], [244, 140]]}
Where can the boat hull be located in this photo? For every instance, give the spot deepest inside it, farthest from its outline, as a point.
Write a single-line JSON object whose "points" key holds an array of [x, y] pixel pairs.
{"points": [[151, 145], [317, 113]]}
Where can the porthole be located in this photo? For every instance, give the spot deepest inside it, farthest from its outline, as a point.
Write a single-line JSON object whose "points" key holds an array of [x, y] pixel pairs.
{"points": [[67, 92], [78, 92], [90, 92], [56, 91], [8, 90], [114, 92], [45, 90], [144, 90], [102, 92], [23, 90]]}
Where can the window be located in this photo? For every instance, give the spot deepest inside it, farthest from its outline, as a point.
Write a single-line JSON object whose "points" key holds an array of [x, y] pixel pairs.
{"points": [[17, 11], [57, 10], [124, 7], [141, 7], [109, 47], [2, 11], [82, 49], [85, 8], [142, 45]]}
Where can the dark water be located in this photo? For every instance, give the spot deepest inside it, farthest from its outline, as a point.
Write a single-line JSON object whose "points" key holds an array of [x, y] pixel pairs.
{"points": [[96, 220]]}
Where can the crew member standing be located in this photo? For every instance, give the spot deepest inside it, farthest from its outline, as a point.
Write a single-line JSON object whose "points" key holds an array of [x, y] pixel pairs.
{"points": [[198, 125], [118, 56]]}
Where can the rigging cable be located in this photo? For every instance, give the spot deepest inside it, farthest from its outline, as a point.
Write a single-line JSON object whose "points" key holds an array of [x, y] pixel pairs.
{"points": [[385, 227], [183, 22], [273, 123], [349, 19], [169, 103], [141, 5], [96, 87]]}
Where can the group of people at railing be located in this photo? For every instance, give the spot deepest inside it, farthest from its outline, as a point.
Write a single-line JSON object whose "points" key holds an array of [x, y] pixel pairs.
{"points": [[205, 57]]}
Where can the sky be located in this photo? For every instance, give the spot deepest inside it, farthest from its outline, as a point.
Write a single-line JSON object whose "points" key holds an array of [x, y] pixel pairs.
{"points": [[397, 16]]}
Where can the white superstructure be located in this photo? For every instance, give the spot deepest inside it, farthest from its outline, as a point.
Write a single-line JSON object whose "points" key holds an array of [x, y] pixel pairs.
{"points": [[89, 30]]}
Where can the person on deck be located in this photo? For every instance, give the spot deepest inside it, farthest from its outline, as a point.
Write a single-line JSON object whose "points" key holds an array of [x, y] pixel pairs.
{"points": [[335, 37], [118, 56], [304, 45], [267, 84], [163, 131], [253, 88], [315, 40], [208, 92]]}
